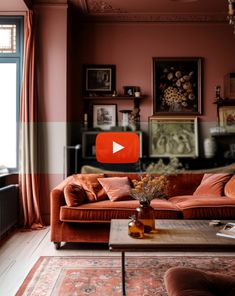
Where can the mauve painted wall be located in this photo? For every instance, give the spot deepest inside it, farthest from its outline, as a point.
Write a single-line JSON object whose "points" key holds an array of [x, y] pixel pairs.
{"points": [[52, 68], [132, 46]]}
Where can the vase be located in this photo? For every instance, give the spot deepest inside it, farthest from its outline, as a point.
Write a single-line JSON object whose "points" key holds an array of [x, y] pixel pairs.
{"points": [[210, 147], [135, 228], [145, 214]]}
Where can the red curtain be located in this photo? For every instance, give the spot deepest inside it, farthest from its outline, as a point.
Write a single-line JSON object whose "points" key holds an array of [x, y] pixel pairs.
{"points": [[29, 177]]}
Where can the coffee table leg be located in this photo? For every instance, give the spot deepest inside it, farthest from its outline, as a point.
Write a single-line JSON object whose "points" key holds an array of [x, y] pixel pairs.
{"points": [[123, 275]]}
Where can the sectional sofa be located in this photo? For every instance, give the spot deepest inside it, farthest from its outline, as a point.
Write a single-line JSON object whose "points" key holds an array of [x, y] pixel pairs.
{"points": [[83, 205]]}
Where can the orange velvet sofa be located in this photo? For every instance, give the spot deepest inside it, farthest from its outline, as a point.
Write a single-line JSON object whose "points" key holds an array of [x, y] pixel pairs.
{"points": [[89, 221]]}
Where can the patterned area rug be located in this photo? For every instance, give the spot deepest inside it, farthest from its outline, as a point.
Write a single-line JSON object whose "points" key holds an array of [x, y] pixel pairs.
{"points": [[101, 276]]}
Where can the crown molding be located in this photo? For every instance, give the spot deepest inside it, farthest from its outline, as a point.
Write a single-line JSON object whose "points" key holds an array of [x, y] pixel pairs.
{"points": [[49, 2], [103, 11], [155, 18]]}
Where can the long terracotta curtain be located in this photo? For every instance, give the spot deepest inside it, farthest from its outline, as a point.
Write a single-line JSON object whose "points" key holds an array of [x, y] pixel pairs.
{"points": [[29, 177]]}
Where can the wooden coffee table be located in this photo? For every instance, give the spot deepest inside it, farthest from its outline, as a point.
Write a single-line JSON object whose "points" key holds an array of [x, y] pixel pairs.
{"points": [[170, 236]]}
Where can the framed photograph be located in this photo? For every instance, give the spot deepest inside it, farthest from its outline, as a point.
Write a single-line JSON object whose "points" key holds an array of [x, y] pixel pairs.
{"points": [[99, 79], [173, 136], [227, 118], [130, 90], [177, 86], [104, 116]]}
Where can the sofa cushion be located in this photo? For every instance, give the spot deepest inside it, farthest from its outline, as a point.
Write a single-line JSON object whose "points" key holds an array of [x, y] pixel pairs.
{"points": [[212, 185], [117, 188], [183, 184], [207, 207], [104, 211], [229, 189], [74, 195], [92, 187]]}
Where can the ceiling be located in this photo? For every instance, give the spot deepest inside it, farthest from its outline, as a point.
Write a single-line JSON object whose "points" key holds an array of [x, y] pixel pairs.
{"points": [[153, 10]]}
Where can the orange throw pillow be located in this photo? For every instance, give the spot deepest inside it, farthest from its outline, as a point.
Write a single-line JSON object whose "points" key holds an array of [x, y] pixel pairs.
{"points": [[229, 189], [212, 185], [94, 191], [74, 195], [117, 188]]}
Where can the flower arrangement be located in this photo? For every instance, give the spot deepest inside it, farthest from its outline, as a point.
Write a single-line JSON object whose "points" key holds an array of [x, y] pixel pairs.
{"points": [[149, 187], [178, 89]]}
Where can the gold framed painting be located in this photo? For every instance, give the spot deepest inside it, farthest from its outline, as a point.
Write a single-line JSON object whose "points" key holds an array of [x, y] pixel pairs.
{"points": [[173, 136], [227, 118]]}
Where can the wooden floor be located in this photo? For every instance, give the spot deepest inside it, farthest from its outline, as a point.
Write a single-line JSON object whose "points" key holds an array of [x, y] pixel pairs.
{"points": [[20, 250]]}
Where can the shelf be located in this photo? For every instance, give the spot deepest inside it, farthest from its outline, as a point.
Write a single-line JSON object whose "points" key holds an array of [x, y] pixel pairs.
{"points": [[225, 102], [112, 98]]}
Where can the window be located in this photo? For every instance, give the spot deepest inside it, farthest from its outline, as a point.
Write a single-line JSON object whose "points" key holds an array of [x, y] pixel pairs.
{"points": [[11, 56]]}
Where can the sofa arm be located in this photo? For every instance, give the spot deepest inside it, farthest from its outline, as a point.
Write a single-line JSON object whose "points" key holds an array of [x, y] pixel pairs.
{"points": [[57, 200]]}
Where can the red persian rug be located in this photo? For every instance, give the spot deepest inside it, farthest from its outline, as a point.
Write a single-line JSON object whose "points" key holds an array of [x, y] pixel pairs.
{"points": [[101, 276]]}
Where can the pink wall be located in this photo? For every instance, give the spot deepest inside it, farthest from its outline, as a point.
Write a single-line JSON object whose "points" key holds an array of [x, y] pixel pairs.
{"points": [[52, 68], [131, 47]]}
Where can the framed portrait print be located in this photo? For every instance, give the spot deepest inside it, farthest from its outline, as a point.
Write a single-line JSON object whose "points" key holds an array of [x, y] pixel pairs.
{"points": [[227, 118], [99, 79], [177, 86], [173, 136], [104, 116]]}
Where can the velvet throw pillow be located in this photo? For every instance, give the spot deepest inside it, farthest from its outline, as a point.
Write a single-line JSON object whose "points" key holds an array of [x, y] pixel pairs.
{"points": [[212, 185], [117, 188], [229, 189], [74, 195], [94, 191]]}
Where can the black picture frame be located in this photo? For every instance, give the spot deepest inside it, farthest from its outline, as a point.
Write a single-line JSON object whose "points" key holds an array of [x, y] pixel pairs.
{"points": [[177, 86], [99, 79]]}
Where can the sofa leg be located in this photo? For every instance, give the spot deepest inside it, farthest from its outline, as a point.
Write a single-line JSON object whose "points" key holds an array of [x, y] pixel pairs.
{"points": [[57, 245]]}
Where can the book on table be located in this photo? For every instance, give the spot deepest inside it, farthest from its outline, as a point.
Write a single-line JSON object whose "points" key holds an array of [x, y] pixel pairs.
{"points": [[227, 231]]}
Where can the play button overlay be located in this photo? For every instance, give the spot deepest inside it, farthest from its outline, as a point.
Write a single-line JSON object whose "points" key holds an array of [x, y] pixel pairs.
{"points": [[117, 147]]}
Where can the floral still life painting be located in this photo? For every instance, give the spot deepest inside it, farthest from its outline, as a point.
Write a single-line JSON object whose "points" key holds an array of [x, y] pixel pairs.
{"points": [[177, 85]]}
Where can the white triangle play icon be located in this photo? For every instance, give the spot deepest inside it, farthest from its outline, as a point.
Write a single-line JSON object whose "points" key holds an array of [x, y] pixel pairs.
{"points": [[117, 147]]}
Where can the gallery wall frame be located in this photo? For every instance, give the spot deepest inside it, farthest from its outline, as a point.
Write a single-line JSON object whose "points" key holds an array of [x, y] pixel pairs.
{"points": [[173, 136], [177, 85], [99, 79], [227, 118], [104, 116]]}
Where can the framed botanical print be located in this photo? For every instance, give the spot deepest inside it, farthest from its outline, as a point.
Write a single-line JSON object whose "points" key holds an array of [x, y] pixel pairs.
{"points": [[227, 118], [177, 86], [173, 136], [99, 79], [104, 116]]}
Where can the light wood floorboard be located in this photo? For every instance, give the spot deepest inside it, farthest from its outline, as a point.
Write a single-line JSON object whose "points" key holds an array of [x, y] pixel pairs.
{"points": [[20, 251]]}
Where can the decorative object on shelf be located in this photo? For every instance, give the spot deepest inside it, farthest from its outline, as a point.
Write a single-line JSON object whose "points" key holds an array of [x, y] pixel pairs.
{"points": [[145, 190], [99, 79], [115, 93], [104, 116], [177, 85], [218, 93], [231, 13], [229, 86], [174, 166], [137, 94], [227, 118], [135, 228], [130, 90], [173, 136], [134, 119], [210, 147], [85, 122], [125, 119]]}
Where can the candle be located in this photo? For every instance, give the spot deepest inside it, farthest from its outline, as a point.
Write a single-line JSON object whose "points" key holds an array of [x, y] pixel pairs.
{"points": [[85, 117]]}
